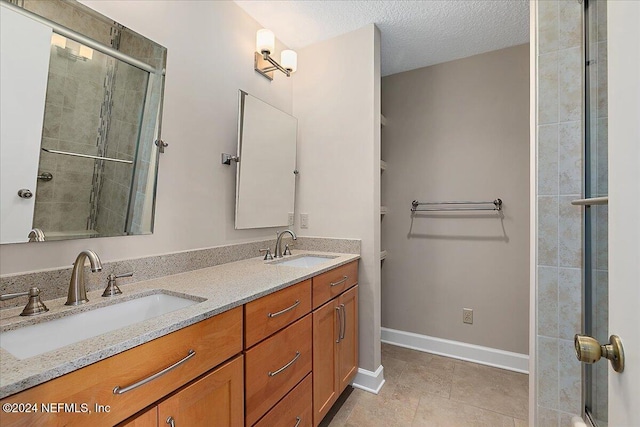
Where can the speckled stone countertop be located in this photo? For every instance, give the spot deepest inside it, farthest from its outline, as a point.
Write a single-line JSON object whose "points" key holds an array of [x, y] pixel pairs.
{"points": [[223, 287]]}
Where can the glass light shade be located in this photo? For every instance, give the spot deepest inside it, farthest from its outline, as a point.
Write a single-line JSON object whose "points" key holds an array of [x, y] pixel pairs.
{"points": [[289, 60], [58, 40], [265, 41], [86, 52]]}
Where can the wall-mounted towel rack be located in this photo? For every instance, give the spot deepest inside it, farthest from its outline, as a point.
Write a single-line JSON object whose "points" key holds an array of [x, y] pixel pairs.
{"points": [[495, 205]]}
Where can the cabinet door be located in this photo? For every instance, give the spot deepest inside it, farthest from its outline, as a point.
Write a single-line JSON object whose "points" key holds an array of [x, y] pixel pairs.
{"points": [[348, 346], [216, 400], [148, 418], [326, 325]]}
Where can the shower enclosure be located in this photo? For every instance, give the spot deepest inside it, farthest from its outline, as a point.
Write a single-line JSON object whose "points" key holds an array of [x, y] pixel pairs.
{"points": [[596, 277]]}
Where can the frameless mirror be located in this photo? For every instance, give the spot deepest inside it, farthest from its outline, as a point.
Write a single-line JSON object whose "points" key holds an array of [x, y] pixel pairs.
{"points": [[266, 173], [81, 107]]}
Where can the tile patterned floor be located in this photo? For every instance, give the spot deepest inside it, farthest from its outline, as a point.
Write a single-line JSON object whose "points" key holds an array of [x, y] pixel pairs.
{"points": [[425, 390]]}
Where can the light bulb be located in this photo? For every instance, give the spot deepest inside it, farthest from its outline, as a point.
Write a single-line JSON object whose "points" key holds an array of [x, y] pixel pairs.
{"points": [[86, 52], [265, 41], [58, 40], [289, 60]]}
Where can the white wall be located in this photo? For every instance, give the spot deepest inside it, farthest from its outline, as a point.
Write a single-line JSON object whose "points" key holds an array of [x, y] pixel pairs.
{"points": [[336, 99], [458, 131], [210, 56]]}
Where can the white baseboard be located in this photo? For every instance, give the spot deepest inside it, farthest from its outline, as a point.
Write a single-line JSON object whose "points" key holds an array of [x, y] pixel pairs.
{"points": [[369, 381], [458, 350]]}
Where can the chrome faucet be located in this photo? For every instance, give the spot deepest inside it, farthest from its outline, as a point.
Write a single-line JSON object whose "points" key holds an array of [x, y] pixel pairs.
{"points": [[77, 291], [278, 250]]}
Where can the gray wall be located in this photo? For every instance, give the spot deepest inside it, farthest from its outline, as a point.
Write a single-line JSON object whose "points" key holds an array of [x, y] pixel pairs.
{"points": [[458, 131]]}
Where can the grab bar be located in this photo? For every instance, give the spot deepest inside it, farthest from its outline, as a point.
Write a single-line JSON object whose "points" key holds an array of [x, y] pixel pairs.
{"points": [[86, 156]]}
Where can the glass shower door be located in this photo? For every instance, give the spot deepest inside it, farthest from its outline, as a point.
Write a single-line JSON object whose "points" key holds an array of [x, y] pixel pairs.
{"points": [[596, 318]]}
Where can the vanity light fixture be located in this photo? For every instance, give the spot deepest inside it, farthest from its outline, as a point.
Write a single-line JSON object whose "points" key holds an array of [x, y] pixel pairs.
{"points": [[265, 64]]}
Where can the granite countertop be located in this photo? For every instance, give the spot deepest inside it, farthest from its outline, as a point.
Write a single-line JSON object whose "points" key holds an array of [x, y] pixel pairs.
{"points": [[223, 287]]}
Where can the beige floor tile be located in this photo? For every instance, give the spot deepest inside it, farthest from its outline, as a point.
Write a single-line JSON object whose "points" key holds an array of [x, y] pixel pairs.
{"points": [[393, 406], [405, 354], [393, 368], [337, 416], [417, 389], [427, 379], [434, 411], [490, 388]]}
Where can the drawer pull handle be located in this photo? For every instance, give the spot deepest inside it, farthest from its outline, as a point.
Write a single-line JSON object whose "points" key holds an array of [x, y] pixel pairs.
{"points": [[123, 390], [339, 282], [274, 373], [171, 422], [298, 419], [339, 324], [344, 321], [278, 313]]}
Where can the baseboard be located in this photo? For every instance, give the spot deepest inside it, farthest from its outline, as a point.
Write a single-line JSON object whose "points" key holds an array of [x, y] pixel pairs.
{"points": [[458, 350], [369, 381]]}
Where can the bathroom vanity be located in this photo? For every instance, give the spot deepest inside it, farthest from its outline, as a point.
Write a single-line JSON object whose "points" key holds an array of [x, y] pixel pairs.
{"points": [[272, 344]]}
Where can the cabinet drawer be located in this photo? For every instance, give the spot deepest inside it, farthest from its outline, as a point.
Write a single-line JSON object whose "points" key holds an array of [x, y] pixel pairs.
{"points": [[267, 315], [334, 282], [214, 340], [274, 366], [296, 405]]}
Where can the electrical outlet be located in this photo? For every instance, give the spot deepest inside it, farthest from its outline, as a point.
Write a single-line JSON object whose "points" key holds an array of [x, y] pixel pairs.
{"points": [[304, 220], [290, 219], [467, 315]]}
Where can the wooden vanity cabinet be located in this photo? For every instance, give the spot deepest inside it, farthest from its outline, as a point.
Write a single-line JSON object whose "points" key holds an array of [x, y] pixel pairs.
{"points": [[215, 400], [213, 340], [335, 350]]}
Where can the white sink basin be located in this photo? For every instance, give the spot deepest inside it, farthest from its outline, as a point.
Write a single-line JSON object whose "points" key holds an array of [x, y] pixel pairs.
{"points": [[40, 338], [305, 261]]}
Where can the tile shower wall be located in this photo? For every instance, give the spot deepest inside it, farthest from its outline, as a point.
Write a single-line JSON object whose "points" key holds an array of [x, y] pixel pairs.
{"points": [[71, 119], [560, 172]]}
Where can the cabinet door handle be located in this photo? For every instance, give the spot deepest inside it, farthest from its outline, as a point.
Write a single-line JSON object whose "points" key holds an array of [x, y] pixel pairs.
{"points": [[276, 372], [344, 321], [171, 422], [123, 390], [278, 313], [298, 419], [339, 282], [339, 314]]}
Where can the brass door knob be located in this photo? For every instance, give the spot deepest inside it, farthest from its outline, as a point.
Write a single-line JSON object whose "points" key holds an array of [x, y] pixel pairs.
{"points": [[589, 350]]}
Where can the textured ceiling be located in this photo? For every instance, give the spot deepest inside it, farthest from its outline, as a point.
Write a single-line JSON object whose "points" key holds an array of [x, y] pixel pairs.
{"points": [[414, 33]]}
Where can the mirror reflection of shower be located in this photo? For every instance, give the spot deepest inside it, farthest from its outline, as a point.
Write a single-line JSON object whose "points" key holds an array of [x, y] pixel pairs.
{"points": [[92, 127]]}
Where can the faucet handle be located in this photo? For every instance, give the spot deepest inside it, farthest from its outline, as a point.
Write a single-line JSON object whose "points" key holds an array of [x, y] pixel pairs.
{"points": [[287, 251], [34, 306], [267, 255], [112, 288]]}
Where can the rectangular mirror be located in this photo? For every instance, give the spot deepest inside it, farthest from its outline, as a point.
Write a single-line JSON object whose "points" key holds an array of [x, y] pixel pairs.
{"points": [[81, 107], [266, 173]]}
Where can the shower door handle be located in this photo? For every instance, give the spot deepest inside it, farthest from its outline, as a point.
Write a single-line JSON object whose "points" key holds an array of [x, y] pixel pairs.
{"points": [[589, 350]]}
